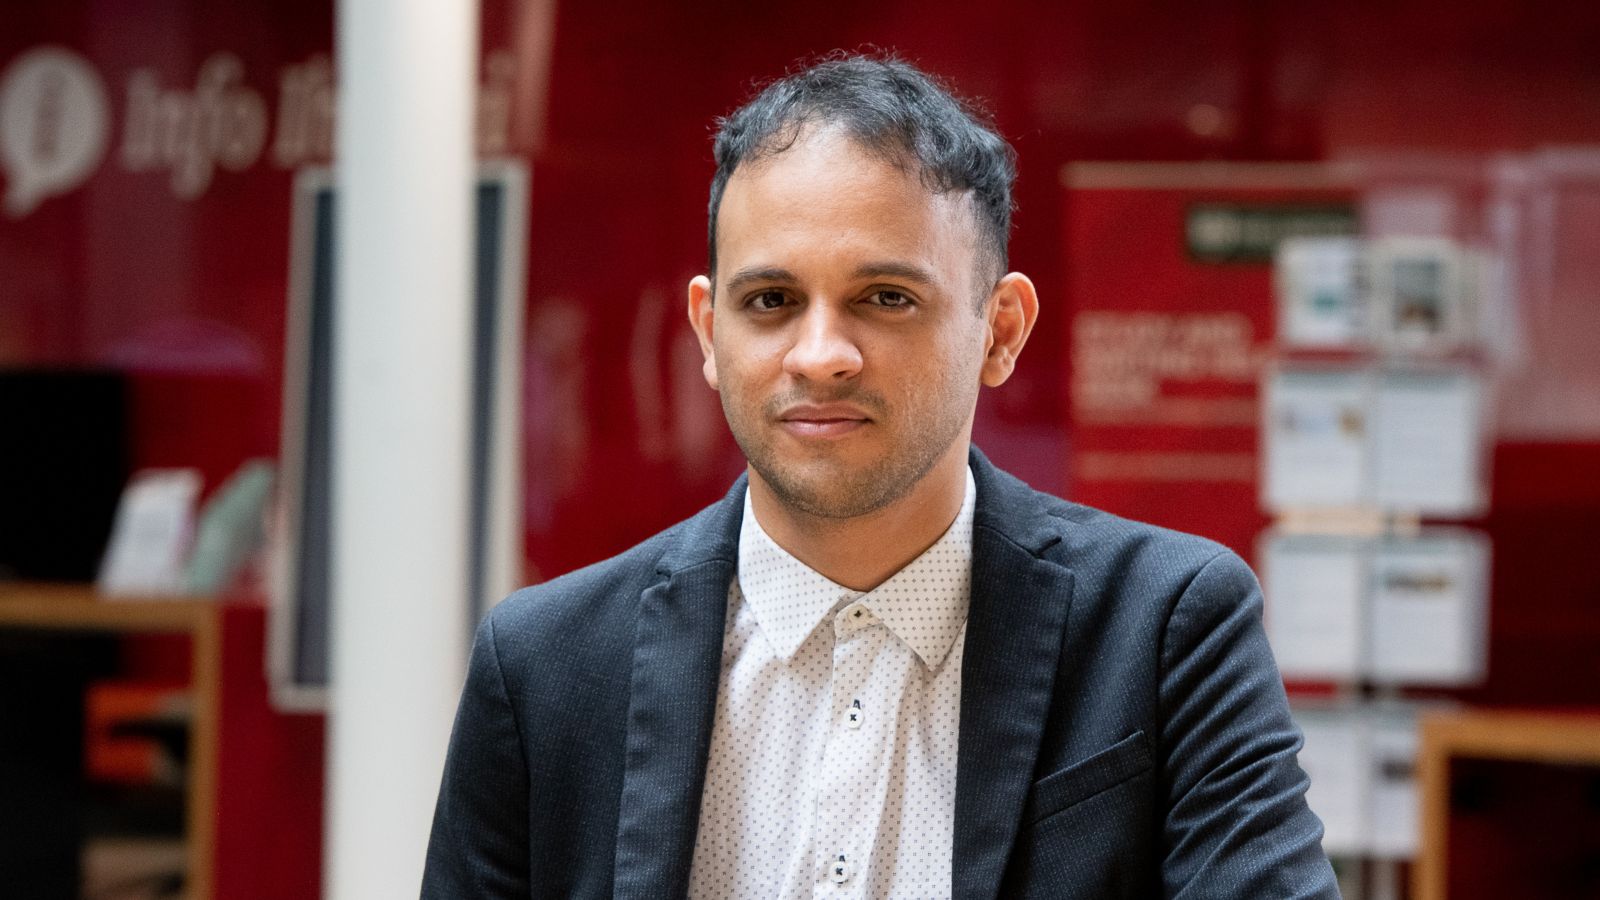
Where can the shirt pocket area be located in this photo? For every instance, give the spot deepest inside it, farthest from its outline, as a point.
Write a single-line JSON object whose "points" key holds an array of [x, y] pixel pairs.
{"points": [[1081, 780]]}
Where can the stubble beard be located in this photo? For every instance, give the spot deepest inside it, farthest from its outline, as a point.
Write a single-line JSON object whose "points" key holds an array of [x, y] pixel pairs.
{"points": [[827, 487]]}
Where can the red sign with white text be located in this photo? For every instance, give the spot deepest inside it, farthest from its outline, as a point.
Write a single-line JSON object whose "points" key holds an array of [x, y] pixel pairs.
{"points": [[1170, 323]]}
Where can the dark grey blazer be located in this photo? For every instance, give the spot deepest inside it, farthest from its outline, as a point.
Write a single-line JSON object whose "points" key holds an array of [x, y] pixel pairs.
{"points": [[1124, 732]]}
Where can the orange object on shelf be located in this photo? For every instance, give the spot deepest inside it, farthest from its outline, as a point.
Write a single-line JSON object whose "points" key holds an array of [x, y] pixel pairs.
{"points": [[112, 709]]}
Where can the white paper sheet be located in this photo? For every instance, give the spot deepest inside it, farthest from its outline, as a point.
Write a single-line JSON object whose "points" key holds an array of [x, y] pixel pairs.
{"points": [[151, 533], [1315, 593], [1320, 300], [1428, 609], [1394, 829], [1335, 759], [1316, 438], [1428, 442], [1418, 301]]}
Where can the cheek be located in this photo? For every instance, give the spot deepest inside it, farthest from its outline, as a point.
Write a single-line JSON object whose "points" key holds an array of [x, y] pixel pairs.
{"points": [[739, 370], [961, 351]]}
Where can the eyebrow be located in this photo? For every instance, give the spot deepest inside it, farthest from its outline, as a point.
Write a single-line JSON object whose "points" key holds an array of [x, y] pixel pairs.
{"points": [[776, 275], [890, 269], [752, 274]]}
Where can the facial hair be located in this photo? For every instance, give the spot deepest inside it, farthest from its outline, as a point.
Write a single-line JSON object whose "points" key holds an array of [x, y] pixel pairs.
{"points": [[825, 487]]}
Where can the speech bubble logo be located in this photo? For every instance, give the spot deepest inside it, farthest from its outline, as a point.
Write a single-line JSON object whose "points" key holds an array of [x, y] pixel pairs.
{"points": [[54, 121]]}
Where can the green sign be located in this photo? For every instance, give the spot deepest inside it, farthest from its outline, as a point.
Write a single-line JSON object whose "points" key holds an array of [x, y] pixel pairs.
{"points": [[1238, 233]]}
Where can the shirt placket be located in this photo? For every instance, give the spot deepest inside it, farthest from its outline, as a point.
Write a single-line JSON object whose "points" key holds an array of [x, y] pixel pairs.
{"points": [[851, 759]]}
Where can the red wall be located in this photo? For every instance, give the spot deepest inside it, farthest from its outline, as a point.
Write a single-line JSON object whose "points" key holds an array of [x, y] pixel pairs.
{"points": [[189, 294]]}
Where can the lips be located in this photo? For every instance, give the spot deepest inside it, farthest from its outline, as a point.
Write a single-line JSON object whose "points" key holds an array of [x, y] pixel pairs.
{"points": [[828, 420]]}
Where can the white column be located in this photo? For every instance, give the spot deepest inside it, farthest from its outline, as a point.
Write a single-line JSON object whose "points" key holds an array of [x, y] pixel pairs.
{"points": [[406, 73]]}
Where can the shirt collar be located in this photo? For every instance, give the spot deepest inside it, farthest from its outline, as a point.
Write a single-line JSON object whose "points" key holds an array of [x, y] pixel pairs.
{"points": [[924, 604]]}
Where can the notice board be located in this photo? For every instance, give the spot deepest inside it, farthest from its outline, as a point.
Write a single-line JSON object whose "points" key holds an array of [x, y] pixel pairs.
{"points": [[1170, 327]]}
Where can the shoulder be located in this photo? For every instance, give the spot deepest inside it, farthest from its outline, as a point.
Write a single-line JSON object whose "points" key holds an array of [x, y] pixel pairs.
{"points": [[1182, 585], [591, 611], [1094, 544], [600, 590], [1096, 541], [1128, 576], [1133, 580]]}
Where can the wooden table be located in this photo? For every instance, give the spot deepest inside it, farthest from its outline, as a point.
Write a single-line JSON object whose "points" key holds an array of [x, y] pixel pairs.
{"points": [[1556, 738], [64, 607]]}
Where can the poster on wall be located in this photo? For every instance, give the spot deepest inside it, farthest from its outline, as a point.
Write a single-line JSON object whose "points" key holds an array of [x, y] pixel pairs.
{"points": [[1397, 610], [1361, 758], [1166, 355]]}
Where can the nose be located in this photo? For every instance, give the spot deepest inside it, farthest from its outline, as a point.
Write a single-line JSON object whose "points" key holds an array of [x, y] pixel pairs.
{"points": [[823, 350]]}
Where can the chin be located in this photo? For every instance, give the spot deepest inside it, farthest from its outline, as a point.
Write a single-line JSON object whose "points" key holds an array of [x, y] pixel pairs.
{"points": [[828, 489], [830, 504]]}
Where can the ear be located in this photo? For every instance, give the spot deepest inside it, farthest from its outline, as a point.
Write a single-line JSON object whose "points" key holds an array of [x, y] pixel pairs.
{"points": [[1010, 313], [702, 312]]}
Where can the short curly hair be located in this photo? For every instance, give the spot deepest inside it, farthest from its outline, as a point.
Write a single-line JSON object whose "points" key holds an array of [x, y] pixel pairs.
{"points": [[887, 106]]}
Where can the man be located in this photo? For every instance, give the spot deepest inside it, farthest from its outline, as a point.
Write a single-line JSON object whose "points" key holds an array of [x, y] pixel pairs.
{"points": [[879, 667]]}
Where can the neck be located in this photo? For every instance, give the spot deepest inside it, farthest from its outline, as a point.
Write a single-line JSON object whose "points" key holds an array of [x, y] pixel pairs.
{"points": [[861, 553]]}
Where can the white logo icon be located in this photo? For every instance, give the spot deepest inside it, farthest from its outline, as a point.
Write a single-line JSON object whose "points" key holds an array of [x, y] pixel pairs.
{"points": [[54, 121]]}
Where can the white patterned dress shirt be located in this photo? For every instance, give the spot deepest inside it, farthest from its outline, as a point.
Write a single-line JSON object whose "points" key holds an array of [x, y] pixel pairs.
{"points": [[832, 771]]}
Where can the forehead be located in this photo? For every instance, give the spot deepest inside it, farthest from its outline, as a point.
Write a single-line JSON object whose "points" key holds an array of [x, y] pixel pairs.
{"points": [[827, 197]]}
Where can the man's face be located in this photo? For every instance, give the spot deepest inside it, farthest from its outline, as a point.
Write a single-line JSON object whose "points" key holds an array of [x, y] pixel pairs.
{"points": [[846, 338]]}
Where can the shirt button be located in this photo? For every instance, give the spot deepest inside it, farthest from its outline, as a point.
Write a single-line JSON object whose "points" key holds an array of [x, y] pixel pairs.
{"points": [[852, 716], [839, 870], [851, 619]]}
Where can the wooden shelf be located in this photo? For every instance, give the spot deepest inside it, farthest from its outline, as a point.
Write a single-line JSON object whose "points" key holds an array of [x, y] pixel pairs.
{"points": [[1558, 738], [78, 607]]}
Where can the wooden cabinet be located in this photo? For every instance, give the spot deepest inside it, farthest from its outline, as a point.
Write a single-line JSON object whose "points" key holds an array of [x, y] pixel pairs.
{"points": [[1510, 805], [76, 608]]}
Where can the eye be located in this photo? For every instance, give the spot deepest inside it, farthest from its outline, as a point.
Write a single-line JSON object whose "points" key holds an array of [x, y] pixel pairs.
{"points": [[766, 300], [891, 299]]}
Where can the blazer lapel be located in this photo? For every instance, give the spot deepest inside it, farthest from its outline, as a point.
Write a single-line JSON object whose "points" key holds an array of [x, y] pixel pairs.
{"points": [[1015, 625], [677, 659]]}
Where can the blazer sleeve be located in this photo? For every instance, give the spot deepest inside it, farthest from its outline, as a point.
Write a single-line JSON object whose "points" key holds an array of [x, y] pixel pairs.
{"points": [[1237, 824], [479, 844]]}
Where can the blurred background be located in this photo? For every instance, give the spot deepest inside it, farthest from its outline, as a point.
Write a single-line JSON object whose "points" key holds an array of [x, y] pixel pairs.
{"points": [[1318, 281]]}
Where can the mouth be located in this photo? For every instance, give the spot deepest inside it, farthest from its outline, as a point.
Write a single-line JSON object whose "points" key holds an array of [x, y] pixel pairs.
{"points": [[823, 421]]}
